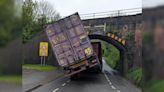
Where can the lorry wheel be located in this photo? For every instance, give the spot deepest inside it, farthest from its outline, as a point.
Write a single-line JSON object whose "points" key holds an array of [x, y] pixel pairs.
{"points": [[98, 69]]}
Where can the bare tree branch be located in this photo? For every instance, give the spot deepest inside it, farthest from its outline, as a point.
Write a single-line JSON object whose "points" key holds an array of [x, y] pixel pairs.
{"points": [[45, 9]]}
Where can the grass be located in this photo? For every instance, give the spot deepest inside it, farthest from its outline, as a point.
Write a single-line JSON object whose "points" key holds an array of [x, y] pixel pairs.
{"points": [[155, 86], [111, 54], [111, 63], [11, 78], [39, 67], [136, 75]]}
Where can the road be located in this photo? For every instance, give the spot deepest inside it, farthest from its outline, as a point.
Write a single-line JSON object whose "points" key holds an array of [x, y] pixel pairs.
{"points": [[10, 87], [33, 79], [108, 81]]}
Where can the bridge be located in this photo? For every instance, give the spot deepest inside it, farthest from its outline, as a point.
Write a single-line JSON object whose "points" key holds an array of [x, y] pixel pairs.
{"points": [[112, 28], [118, 42]]}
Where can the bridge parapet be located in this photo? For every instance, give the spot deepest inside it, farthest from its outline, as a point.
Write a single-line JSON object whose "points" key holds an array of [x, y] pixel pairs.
{"points": [[115, 13]]}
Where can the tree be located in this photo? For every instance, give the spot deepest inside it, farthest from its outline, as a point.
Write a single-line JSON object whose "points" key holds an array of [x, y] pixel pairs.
{"points": [[35, 16], [28, 19], [10, 25], [45, 10]]}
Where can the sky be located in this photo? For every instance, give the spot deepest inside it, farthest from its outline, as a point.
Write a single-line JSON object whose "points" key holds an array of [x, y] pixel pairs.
{"points": [[152, 3], [67, 7]]}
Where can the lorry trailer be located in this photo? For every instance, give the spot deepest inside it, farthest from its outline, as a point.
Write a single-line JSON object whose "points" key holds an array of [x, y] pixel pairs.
{"points": [[97, 49], [71, 45]]}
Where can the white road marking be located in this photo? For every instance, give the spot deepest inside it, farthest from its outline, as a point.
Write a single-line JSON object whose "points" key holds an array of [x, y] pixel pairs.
{"points": [[113, 87], [110, 83], [108, 79], [68, 81], [118, 91], [55, 90], [63, 84]]}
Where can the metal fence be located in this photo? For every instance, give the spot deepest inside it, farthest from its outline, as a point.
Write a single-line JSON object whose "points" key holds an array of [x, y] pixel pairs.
{"points": [[115, 13]]}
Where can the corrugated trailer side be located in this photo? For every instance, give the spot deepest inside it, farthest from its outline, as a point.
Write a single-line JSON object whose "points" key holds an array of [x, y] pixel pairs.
{"points": [[97, 48], [71, 45], [60, 44]]}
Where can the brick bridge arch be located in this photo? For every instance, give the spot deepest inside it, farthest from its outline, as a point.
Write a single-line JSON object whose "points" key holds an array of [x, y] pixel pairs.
{"points": [[119, 43]]}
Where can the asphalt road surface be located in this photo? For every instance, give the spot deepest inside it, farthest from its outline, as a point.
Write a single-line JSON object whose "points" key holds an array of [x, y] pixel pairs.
{"points": [[108, 81], [10, 87]]}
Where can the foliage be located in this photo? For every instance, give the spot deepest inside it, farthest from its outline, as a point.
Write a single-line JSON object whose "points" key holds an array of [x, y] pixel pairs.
{"points": [[11, 78], [45, 9], [35, 17], [39, 67], [147, 36], [111, 54], [154, 86], [136, 75], [129, 35], [10, 25], [29, 23]]}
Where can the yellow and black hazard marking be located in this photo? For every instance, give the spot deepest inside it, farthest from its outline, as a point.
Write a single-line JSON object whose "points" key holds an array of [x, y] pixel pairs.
{"points": [[88, 51], [113, 36]]}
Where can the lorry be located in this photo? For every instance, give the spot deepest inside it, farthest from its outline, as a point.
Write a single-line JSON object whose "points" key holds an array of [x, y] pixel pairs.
{"points": [[97, 49], [71, 45]]}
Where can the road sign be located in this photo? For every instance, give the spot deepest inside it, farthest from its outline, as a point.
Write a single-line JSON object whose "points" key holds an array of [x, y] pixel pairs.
{"points": [[43, 50]]}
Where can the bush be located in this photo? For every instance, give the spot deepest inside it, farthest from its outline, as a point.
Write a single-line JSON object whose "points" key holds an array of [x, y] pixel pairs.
{"points": [[154, 86], [135, 75], [147, 37], [111, 54]]}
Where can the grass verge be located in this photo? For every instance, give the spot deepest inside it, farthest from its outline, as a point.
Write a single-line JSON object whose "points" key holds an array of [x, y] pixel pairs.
{"points": [[135, 75], [155, 86], [11, 78], [39, 67], [111, 54]]}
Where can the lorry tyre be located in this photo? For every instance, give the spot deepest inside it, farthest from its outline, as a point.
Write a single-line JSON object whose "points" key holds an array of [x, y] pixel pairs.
{"points": [[98, 69]]}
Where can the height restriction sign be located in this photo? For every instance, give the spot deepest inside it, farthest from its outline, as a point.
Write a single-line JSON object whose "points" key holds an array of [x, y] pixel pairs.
{"points": [[43, 50]]}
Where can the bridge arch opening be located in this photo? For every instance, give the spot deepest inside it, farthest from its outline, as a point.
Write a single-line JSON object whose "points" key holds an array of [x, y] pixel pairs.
{"points": [[122, 64]]}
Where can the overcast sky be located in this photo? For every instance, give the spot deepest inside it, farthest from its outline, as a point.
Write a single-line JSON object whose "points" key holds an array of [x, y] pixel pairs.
{"points": [[67, 7], [152, 3]]}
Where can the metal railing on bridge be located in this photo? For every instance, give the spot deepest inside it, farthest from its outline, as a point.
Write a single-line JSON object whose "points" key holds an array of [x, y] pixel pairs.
{"points": [[125, 12]]}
